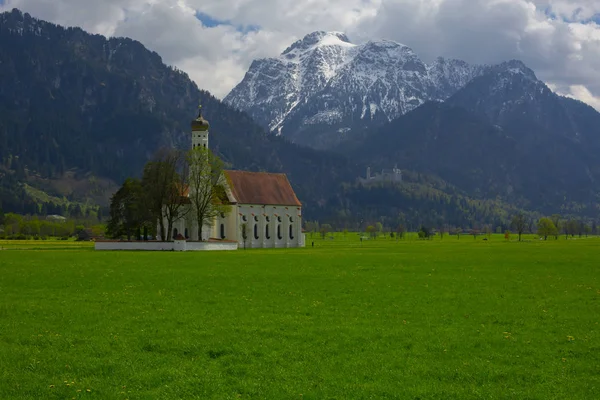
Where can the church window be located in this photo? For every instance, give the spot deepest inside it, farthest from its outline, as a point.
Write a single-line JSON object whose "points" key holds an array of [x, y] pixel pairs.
{"points": [[255, 218], [222, 231], [268, 219], [267, 234], [204, 145], [278, 219], [244, 218], [291, 219], [291, 232], [187, 235], [175, 233], [279, 232], [255, 231]]}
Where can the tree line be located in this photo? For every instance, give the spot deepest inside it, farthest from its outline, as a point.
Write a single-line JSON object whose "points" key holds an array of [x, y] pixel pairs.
{"points": [[174, 185]]}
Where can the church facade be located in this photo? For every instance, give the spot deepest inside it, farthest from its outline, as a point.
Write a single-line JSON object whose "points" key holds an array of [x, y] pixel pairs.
{"points": [[264, 210]]}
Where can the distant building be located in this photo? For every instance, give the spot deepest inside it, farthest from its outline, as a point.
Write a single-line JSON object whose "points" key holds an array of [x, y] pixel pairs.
{"points": [[393, 175]]}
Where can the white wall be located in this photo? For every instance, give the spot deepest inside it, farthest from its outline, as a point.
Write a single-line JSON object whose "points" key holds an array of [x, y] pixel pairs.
{"points": [[167, 246], [149, 246], [274, 216]]}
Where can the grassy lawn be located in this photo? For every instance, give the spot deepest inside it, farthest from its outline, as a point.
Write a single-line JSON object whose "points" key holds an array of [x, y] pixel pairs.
{"points": [[440, 319]]}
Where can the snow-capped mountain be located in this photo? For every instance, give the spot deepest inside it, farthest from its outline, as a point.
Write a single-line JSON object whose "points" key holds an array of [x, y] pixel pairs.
{"points": [[323, 86]]}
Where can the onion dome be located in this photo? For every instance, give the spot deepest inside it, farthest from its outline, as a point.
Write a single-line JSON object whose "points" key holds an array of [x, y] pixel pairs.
{"points": [[200, 124]]}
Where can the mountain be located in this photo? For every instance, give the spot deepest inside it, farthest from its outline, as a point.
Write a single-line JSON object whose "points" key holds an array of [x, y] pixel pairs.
{"points": [[324, 86], [505, 135], [79, 113]]}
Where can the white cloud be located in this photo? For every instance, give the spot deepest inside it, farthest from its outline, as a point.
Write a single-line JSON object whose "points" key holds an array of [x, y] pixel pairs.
{"points": [[582, 93], [553, 37]]}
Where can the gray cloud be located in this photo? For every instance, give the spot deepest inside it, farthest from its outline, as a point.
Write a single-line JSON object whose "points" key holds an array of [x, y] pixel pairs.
{"points": [[556, 38]]}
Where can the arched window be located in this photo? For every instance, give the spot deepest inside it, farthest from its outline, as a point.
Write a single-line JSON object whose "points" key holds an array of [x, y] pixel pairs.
{"points": [[175, 233], [222, 231], [187, 235], [267, 234], [291, 232], [279, 232], [255, 231]]}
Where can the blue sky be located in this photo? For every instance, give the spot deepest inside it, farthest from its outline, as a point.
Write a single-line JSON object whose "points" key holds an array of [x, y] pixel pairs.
{"points": [[211, 22]]}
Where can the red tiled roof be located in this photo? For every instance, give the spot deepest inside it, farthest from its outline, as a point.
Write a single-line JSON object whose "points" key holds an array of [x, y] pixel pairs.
{"points": [[261, 188]]}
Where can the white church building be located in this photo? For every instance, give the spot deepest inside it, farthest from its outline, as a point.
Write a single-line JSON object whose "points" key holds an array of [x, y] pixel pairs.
{"points": [[264, 202]]}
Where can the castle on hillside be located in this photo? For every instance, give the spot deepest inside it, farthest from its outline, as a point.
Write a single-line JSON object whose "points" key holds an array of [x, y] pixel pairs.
{"points": [[393, 175]]}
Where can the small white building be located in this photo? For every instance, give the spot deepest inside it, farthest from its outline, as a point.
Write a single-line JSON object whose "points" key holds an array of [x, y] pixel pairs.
{"points": [[264, 203]]}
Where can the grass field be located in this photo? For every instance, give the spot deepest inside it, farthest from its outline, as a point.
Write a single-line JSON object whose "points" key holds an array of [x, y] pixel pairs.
{"points": [[442, 319]]}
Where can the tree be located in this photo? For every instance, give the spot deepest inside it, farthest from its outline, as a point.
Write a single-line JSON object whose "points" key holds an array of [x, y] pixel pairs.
{"points": [[372, 231], [555, 218], [519, 222], [325, 228], [164, 184], [546, 227], [127, 210], [379, 227], [424, 232], [488, 231], [458, 232], [442, 230], [244, 233], [206, 192], [400, 231]]}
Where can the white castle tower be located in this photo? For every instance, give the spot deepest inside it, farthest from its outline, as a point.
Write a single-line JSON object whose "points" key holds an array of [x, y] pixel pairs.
{"points": [[200, 128]]}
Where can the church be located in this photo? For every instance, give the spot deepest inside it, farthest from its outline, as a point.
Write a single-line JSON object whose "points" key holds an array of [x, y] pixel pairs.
{"points": [[262, 205]]}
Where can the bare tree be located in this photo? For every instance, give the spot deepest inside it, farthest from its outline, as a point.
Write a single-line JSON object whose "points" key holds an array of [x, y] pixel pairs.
{"points": [[164, 181], [206, 192], [519, 223]]}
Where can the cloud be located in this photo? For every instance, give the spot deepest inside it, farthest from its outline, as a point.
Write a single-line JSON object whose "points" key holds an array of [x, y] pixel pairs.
{"points": [[216, 40]]}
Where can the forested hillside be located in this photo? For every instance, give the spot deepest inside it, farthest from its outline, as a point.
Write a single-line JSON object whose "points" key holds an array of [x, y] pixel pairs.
{"points": [[97, 107]]}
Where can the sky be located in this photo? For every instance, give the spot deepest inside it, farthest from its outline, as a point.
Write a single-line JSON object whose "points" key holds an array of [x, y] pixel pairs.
{"points": [[215, 41]]}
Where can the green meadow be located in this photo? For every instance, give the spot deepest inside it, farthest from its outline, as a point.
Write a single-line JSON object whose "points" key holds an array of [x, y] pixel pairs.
{"points": [[385, 319]]}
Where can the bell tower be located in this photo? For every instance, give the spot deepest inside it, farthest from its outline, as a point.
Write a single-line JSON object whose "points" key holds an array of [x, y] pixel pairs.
{"points": [[200, 128]]}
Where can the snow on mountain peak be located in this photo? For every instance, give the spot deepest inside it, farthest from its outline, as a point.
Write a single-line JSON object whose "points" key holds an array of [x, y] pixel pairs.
{"points": [[319, 38], [325, 82]]}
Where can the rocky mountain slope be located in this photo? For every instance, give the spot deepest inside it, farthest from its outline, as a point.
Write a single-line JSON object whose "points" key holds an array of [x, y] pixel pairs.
{"points": [[324, 86]]}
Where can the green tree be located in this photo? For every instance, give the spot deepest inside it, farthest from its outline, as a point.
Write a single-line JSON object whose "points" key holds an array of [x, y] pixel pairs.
{"points": [[206, 192], [379, 227], [519, 223], [372, 231], [424, 232], [127, 210], [556, 220], [546, 227]]}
